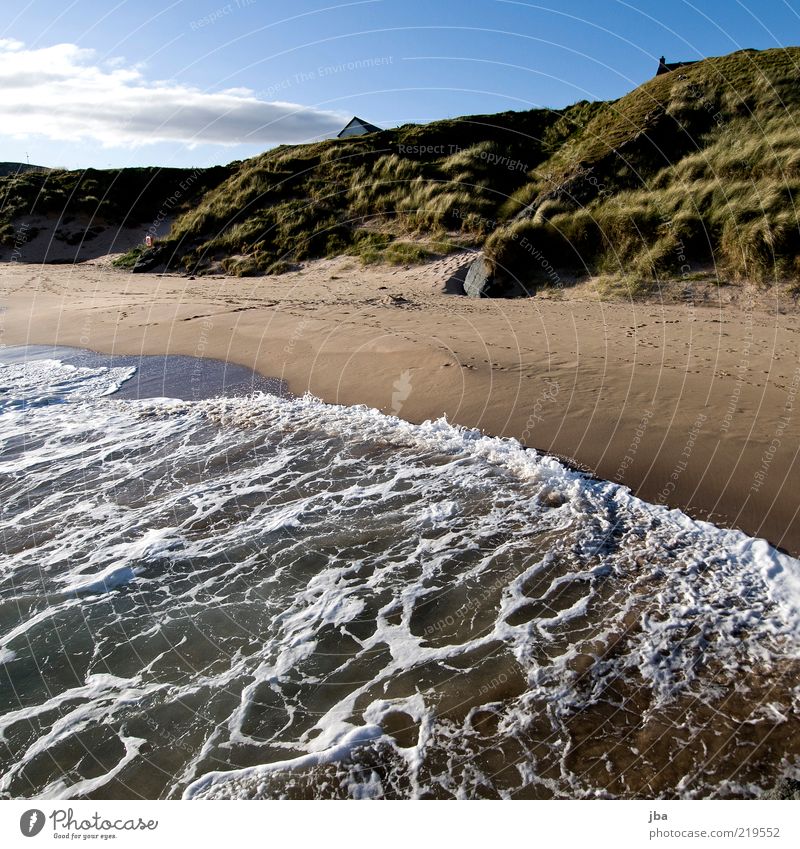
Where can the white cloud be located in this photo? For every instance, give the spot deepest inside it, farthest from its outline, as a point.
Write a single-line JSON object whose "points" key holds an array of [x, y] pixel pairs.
{"points": [[63, 93]]}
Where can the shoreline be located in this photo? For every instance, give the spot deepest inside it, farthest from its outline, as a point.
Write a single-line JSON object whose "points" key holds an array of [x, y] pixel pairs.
{"points": [[186, 379], [692, 406]]}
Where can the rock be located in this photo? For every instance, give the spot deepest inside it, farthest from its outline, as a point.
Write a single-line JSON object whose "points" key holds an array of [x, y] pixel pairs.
{"points": [[479, 280], [482, 282]]}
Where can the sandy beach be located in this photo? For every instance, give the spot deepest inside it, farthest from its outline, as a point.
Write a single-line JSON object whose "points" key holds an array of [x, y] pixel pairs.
{"points": [[689, 404]]}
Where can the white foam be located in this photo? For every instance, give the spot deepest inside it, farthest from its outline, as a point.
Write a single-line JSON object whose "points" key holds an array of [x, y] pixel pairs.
{"points": [[61, 789], [254, 775], [263, 523], [125, 561], [108, 579], [38, 382]]}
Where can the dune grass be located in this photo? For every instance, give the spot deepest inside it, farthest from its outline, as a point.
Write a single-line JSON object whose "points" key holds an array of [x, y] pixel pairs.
{"points": [[693, 169], [116, 197], [413, 183], [697, 167], [128, 259]]}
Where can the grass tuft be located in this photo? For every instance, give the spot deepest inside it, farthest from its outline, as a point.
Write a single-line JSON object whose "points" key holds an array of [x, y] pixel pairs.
{"points": [[129, 259]]}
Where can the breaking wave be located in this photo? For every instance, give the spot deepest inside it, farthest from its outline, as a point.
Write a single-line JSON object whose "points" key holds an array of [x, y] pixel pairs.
{"points": [[271, 597]]}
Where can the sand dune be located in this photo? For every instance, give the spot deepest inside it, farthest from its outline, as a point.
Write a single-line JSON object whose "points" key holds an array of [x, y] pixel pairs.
{"points": [[41, 239]]}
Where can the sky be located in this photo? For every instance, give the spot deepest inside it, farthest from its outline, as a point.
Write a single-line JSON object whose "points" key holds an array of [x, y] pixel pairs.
{"points": [[203, 82]]}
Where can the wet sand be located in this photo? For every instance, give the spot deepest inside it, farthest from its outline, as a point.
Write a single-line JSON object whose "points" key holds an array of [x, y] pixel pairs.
{"points": [[692, 405]]}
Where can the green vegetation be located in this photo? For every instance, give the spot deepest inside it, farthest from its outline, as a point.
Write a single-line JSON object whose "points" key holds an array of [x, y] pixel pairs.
{"points": [[7, 168], [695, 169], [120, 197], [129, 259], [442, 183], [372, 246], [406, 253]]}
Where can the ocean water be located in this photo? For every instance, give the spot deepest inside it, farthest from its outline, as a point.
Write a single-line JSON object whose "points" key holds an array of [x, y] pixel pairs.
{"points": [[270, 597]]}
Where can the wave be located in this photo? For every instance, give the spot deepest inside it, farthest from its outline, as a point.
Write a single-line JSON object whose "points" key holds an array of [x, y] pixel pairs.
{"points": [[270, 597]]}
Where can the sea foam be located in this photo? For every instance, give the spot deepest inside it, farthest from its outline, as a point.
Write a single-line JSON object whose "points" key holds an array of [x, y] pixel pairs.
{"points": [[338, 603]]}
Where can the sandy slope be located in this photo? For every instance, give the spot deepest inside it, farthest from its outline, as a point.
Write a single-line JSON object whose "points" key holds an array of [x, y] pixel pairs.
{"points": [[68, 240], [689, 405]]}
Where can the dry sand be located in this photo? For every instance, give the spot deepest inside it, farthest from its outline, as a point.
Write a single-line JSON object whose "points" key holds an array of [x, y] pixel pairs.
{"points": [[689, 405]]}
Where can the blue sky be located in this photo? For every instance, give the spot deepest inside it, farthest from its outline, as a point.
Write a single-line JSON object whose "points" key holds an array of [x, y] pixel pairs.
{"points": [[199, 82]]}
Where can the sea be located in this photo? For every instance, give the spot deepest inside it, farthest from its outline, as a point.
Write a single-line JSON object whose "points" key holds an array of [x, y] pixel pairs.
{"points": [[212, 589]]}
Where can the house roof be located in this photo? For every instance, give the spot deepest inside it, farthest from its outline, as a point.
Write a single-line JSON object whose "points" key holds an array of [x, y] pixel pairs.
{"points": [[665, 67], [355, 121]]}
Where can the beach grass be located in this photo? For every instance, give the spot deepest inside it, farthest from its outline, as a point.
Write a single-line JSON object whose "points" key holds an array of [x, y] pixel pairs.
{"points": [[698, 167], [128, 259]]}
